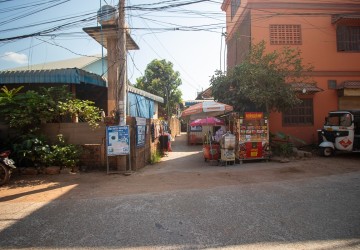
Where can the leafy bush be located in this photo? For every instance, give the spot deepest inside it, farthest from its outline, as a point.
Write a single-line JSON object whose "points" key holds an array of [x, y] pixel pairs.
{"points": [[155, 157], [30, 150], [282, 149], [34, 151], [63, 154], [282, 144], [26, 111], [82, 108]]}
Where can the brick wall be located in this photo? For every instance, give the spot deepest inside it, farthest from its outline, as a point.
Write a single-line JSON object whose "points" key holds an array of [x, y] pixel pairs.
{"points": [[93, 143]]}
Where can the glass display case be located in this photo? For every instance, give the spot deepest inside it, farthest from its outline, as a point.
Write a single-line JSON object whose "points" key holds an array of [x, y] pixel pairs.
{"points": [[227, 144], [253, 129]]}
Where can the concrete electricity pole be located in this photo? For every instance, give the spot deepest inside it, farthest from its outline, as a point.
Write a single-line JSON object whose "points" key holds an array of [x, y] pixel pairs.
{"points": [[121, 71], [121, 77]]}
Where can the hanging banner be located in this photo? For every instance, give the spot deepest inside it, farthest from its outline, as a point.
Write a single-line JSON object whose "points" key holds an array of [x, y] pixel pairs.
{"points": [[140, 121], [140, 135], [117, 140]]}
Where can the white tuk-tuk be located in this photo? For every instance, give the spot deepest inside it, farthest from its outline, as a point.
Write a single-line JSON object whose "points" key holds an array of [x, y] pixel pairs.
{"points": [[341, 132]]}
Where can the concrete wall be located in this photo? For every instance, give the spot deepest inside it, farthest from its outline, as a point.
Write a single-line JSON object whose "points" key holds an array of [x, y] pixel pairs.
{"points": [[238, 45], [93, 142]]}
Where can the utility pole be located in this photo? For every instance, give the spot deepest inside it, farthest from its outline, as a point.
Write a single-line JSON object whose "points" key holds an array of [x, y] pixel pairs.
{"points": [[121, 71], [121, 77]]}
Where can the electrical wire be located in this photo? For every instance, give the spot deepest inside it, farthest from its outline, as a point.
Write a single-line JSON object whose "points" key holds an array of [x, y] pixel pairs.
{"points": [[160, 43], [148, 13], [32, 12], [63, 47]]}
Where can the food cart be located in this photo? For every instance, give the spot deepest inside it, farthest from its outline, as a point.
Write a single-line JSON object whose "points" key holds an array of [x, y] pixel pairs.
{"points": [[206, 110], [227, 144], [211, 149], [253, 129]]}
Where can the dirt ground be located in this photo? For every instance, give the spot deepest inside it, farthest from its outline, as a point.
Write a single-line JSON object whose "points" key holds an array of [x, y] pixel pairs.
{"points": [[184, 168]]}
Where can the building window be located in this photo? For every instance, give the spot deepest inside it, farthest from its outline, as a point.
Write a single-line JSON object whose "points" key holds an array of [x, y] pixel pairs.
{"points": [[235, 4], [285, 34], [302, 114], [348, 38]]}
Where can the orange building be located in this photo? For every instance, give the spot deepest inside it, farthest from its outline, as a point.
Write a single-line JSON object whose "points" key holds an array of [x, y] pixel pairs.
{"points": [[328, 34]]}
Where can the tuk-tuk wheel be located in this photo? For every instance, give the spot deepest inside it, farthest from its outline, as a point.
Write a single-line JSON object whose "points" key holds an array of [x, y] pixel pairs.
{"points": [[327, 151]]}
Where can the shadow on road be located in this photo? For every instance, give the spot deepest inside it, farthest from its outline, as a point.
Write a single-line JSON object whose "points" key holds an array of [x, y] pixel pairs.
{"points": [[185, 203]]}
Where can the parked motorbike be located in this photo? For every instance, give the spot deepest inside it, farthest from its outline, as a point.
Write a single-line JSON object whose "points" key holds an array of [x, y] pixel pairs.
{"points": [[6, 167]]}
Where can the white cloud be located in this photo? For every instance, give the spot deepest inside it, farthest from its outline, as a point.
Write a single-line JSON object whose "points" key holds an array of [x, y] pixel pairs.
{"points": [[15, 57]]}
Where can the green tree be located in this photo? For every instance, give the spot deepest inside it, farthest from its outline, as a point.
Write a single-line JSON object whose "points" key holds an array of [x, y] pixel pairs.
{"points": [[26, 111], [160, 79], [263, 80]]}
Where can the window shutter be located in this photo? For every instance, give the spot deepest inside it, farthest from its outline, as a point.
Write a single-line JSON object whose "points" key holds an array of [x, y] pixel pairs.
{"points": [[340, 32]]}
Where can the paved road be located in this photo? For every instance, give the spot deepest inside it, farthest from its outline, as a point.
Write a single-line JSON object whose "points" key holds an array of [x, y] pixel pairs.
{"points": [[317, 212]]}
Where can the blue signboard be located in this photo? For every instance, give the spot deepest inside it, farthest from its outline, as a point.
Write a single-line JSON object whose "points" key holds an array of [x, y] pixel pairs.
{"points": [[117, 140]]}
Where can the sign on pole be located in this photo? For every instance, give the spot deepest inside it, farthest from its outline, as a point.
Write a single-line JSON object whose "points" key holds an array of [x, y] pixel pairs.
{"points": [[117, 140]]}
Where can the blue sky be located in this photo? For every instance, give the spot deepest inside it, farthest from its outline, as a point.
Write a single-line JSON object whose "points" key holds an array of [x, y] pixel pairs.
{"points": [[189, 36]]}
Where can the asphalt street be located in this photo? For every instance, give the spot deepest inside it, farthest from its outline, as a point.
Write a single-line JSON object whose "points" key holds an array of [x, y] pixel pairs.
{"points": [[315, 213]]}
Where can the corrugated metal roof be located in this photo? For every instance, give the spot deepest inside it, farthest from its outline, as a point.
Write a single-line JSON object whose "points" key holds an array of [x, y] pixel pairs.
{"points": [[189, 103], [64, 76], [146, 94], [79, 62], [349, 85]]}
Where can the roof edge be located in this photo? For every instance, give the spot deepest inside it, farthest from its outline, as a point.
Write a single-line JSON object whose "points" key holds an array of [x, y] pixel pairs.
{"points": [[144, 93]]}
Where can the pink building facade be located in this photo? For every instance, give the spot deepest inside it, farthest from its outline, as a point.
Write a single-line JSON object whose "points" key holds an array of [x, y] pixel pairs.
{"points": [[328, 35]]}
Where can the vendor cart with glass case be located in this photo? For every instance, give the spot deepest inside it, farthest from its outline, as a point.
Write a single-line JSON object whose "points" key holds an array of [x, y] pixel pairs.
{"points": [[253, 144]]}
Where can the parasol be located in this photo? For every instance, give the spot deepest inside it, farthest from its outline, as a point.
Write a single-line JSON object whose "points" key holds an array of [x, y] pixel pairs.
{"points": [[206, 109], [208, 121]]}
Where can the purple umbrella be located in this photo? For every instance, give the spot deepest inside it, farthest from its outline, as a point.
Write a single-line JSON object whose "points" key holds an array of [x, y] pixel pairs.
{"points": [[208, 121]]}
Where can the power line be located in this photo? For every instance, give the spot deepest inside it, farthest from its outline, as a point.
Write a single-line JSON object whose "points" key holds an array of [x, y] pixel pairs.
{"points": [[32, 13], [89, 17], [166, 51], [60, 46]]}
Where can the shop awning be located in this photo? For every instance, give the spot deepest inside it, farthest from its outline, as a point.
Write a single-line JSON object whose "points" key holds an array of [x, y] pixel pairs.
{"points": [[64, 76]]}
